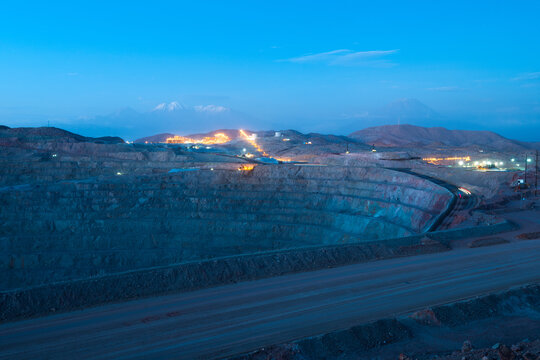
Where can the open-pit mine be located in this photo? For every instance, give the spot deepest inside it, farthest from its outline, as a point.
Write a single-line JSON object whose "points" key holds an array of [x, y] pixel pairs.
{"points": [[266, 245]]}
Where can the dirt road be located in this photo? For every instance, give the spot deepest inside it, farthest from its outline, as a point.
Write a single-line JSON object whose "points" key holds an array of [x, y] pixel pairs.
{"points": [[232, 319]]}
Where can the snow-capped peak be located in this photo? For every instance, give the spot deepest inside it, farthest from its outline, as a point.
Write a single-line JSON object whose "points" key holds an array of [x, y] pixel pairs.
{"points": [[175, 105], [159, 107]]}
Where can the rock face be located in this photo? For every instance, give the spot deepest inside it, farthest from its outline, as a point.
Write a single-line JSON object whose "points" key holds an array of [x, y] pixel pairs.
{"points": [[426, 317], [68, 230], [505, 353], [73, 207], [466, 347]]}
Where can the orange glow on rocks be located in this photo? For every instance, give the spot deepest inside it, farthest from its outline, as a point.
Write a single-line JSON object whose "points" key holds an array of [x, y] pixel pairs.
{"points": [[251, 140], [247, 167], [218, 138], [437, 161]]}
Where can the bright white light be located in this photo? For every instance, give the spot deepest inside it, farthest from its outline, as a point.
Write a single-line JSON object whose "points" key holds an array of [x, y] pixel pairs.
{"points": [[501, 163], [476, 163], [489, 162], [244, 149], [517, 164], [119, 173], [512, 160], [529, 160], [496, 163], [460, 163]]}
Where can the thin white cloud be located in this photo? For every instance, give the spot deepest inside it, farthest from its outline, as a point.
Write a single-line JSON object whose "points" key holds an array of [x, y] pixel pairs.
{"points": [[527, 76], [324, 56], [344, 57], [359, 56]]}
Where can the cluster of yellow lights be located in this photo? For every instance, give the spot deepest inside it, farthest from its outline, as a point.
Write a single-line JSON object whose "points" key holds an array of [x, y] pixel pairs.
{"points": [[218, 138], [251, 140], [436, 161], [246, 167]]}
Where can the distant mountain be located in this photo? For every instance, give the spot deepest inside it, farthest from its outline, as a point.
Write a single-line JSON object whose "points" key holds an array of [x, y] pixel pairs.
{"points": [[401, 111], [158, 138], [405, 110], [44, 134], [175, 105], [163, 118], [410, 135]]}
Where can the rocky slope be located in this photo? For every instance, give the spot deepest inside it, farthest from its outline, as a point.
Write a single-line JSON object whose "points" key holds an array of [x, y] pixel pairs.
{"points": [[284, 144], [74, 229], [17, 136], [412, 136]]}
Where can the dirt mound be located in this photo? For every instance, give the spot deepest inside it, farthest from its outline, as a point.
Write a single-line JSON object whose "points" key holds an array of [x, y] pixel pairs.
{"points": [[487, 242], [529, 236], [274, 352], [355, 339], [527, 350]]}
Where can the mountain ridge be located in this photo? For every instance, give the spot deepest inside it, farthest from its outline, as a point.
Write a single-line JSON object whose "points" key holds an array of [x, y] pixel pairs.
{"points": [[407, 135]]}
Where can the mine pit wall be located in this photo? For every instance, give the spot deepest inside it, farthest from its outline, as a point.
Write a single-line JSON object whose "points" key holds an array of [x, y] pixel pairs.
{"points": [[78, 294], [26, 166], [486, 185], [66, 231]]}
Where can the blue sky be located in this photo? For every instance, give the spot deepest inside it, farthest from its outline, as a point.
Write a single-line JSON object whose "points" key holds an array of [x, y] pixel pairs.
{"points": [[294, 64]]}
